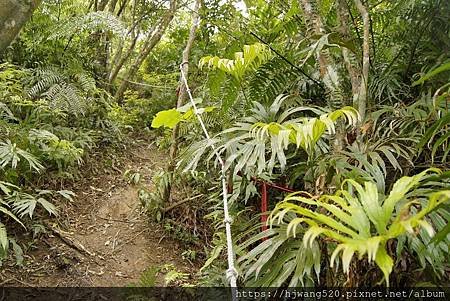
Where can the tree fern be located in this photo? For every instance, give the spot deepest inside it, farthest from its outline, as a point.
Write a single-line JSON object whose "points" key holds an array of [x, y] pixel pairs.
{"points": [[64, 91]]}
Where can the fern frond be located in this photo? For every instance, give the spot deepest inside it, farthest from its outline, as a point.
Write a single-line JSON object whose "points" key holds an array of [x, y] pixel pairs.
{"points": [[65, 97], [272, 78], [46, 77], [247, 60], [91, 22]]}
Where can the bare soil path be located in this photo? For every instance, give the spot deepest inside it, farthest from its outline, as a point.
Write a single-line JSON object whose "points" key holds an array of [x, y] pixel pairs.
{"points": [[103, 238]]}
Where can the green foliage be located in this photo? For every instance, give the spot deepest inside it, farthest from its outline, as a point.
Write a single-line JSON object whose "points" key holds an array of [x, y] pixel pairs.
{"points": [[64, 91], [269, 131], [148, 277], [273, 78], [168, 118], [90, 23], [304, 141], [11, 154], [16, 204], [50, 117], [360, 220], [61, 152], [272, 109], [279, 260], [171, 276], [247, 60], [132, 177], [439, 136], [435, 71]]}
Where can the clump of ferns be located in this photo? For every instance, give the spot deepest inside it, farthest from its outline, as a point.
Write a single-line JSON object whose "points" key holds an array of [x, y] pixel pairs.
{"points": [[71, 92]]}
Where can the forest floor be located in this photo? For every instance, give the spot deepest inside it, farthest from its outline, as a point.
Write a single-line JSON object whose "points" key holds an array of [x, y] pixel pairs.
{"points": [[103, 238]]}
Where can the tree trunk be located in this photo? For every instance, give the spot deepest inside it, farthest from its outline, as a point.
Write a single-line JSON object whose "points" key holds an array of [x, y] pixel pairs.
{"points": [[112, 6], [327, 67], [362, 97], [182, 87], [122, 7], [150, 43], [120, 60], [315, 27], [182, 93], [350, 60], [13, 16], [102, 4]]}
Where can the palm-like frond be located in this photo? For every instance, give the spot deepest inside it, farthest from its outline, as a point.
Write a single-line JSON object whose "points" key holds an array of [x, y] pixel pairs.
{"points": [[11, 154], [437, 137], [25, 204], [360, 219], [279, 259], [268, 131]]}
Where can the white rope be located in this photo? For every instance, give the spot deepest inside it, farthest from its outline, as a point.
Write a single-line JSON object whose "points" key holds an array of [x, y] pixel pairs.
{"points": [[231, 272]]}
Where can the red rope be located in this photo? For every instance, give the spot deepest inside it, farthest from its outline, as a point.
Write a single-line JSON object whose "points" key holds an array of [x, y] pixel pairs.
{"points": [[265, 200], [264, 206]]}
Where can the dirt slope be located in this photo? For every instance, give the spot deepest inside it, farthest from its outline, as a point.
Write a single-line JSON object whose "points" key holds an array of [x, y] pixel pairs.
{"points": [[103, 238]]}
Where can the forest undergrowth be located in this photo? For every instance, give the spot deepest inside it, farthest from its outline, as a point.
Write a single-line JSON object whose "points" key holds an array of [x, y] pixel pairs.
{"points": [[109, 240], [331, 119]]}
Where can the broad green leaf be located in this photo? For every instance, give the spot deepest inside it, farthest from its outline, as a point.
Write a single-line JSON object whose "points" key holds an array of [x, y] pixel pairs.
{"points": [[167, 118]]}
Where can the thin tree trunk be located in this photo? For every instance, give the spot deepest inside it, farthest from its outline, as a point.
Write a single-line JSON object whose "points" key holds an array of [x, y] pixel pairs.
{"points": [[149, 44], [102, 5], [122, 59], [91, 3], [327, 67], [349, 58], [122, 7], [104, 48], [182, 88], [101, 40], [13, 16], [315, 27], [119, 59], [362, 97], [182, 93]]}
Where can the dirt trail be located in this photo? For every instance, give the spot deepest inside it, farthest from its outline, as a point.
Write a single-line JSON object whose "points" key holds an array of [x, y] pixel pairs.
{"points": [[105, 239]]}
